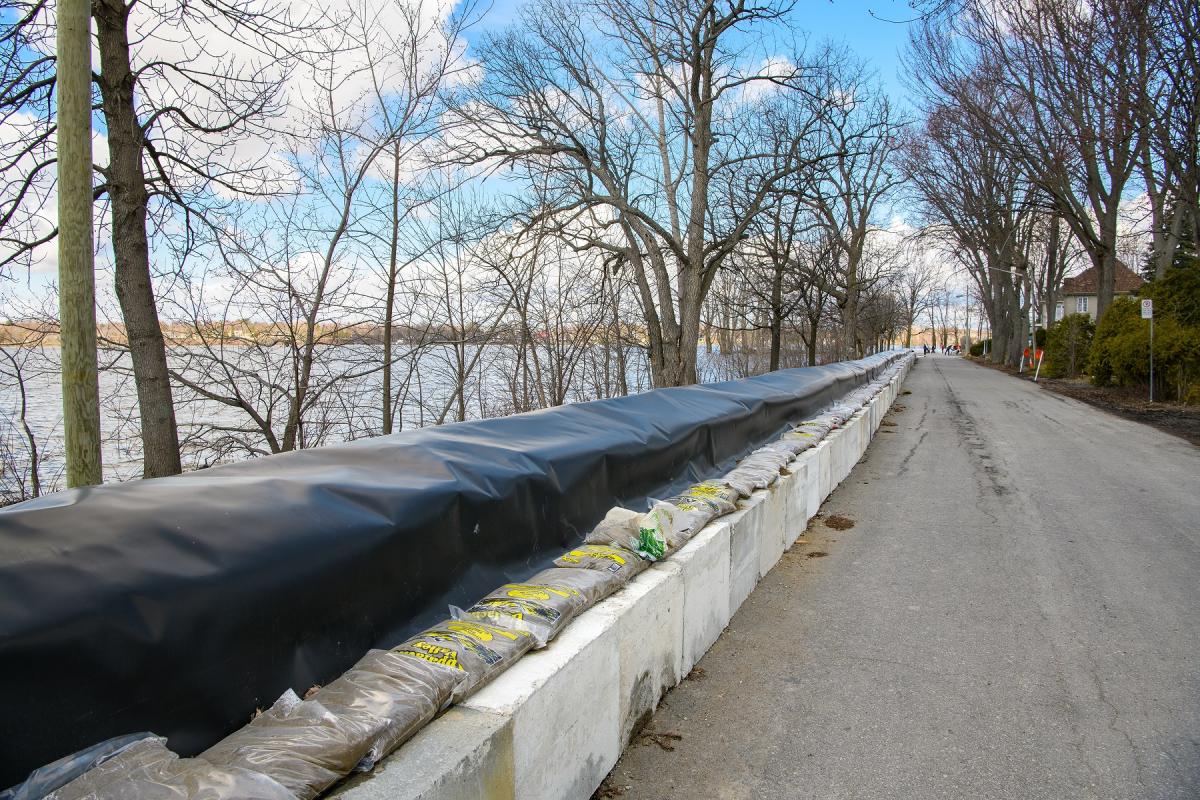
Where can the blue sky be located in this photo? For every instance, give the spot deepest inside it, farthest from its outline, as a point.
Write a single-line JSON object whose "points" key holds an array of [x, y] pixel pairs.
{"points": [[859, 24]]}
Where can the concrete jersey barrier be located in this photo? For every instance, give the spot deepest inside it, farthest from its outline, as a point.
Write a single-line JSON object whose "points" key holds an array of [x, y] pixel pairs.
{"points": [[555, 723]]}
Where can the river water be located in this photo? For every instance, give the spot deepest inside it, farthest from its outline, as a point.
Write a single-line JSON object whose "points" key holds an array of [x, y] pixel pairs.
{"points": [[212, 432]]}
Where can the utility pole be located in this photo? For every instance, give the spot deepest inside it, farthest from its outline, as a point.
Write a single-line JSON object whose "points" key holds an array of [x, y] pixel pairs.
{"points": [[76, 275]]}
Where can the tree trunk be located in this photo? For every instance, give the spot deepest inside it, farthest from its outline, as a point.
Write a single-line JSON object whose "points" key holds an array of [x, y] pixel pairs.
{"points": [[850, 345], [131, 249], [1106, 262], [76, 276], [776, 317]]}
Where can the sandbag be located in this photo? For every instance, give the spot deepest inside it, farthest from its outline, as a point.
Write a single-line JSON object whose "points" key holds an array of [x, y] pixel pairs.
{"points": [[298, 743], [147, 770], [603, 557], [751, 475], [715, 492], [797, 444], [619, 528], [742, 482], [841, 412], [669, 525], [403, 692], [474, 649], [594, 585], [539, 610], [811, 431], [788, 447], [45, 779], [649, 538], [767, 458]]}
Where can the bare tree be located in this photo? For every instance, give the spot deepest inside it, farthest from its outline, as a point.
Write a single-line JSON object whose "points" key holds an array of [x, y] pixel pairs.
{"points": [[914, 287], [631, 109], [21, 454], [1169, 140], [863, 130], [977, 206], [182, 87], [411, 56], [1065, 78]]}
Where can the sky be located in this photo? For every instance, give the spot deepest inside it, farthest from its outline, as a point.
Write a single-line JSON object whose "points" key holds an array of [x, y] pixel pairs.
{"points": [[859, 24], [872, 29]]}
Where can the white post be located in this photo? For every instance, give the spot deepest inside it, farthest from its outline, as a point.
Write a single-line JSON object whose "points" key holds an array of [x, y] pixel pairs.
{"points": [[1148, 313]]}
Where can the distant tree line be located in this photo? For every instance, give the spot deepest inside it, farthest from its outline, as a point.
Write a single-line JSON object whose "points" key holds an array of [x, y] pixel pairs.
{"points": [[606, 196]]}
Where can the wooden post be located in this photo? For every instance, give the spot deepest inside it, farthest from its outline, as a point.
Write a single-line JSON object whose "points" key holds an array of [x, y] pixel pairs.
{"points": [[76, 275]]}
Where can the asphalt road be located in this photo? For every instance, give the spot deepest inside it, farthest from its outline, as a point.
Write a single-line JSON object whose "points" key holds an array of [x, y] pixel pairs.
{"points": [[1014, 614]]}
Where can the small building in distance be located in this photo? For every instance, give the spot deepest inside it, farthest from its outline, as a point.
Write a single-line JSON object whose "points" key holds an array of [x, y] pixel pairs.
{"points": [[1079, 292]]}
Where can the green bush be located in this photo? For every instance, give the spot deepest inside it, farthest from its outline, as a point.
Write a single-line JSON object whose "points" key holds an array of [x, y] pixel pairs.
{"points": [[1039, 338], [977, 348], [1121, 348], [1068, 343]]}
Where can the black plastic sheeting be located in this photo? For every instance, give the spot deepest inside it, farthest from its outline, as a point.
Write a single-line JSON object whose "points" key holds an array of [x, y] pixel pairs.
{"points": [[180, 605]]}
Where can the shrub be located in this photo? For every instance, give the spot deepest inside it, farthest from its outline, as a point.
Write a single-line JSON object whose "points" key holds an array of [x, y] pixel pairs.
{"points": [[1068, 342], [1039, 338], [1121, 348], [976, 349]]}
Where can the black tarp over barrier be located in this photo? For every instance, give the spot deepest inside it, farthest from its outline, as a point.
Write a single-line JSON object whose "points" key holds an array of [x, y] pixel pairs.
{"points": [[180, 605]]}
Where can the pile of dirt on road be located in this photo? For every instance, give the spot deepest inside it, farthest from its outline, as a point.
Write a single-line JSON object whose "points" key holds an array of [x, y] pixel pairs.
{"points": [[1131, 403]]}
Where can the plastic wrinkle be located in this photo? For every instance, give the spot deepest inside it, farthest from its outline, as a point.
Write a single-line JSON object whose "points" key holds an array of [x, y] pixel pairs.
{"points": [[46, 779], [621, 561], [470, 648], [619, 528], [300, 744], [714, 492], [403, 693], [537, 609], [149, 771]]}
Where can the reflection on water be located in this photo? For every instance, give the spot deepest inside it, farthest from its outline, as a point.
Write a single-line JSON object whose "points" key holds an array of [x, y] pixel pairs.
{"points": [[425, 389]]}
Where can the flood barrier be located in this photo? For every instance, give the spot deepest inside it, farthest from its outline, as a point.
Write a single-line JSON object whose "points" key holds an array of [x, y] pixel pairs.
{"points": [[181, 605]]}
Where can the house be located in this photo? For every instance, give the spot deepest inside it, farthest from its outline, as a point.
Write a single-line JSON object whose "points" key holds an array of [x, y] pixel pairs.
{"points": [[1079, 293]]}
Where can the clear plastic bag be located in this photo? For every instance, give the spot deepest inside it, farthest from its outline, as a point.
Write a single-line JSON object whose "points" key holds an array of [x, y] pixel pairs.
{"points": [[537, 609], [721, 496], [147, 770], [594, 585], [476, 648], [751, 474], [667, 526], [403, 692], [44, 780], [797, 444], [841, 412], [767, 457], [741, 481], [605, 558], [298, 743], [809, 431], [619, 528], [788, 447]]}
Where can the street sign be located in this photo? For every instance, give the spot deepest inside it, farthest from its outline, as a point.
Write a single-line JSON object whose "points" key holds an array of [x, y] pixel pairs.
{"points": [[1147, 309]]}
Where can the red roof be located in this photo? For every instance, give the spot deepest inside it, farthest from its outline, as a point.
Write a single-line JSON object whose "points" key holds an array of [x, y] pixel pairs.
{"points": [[1125, 281]]}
